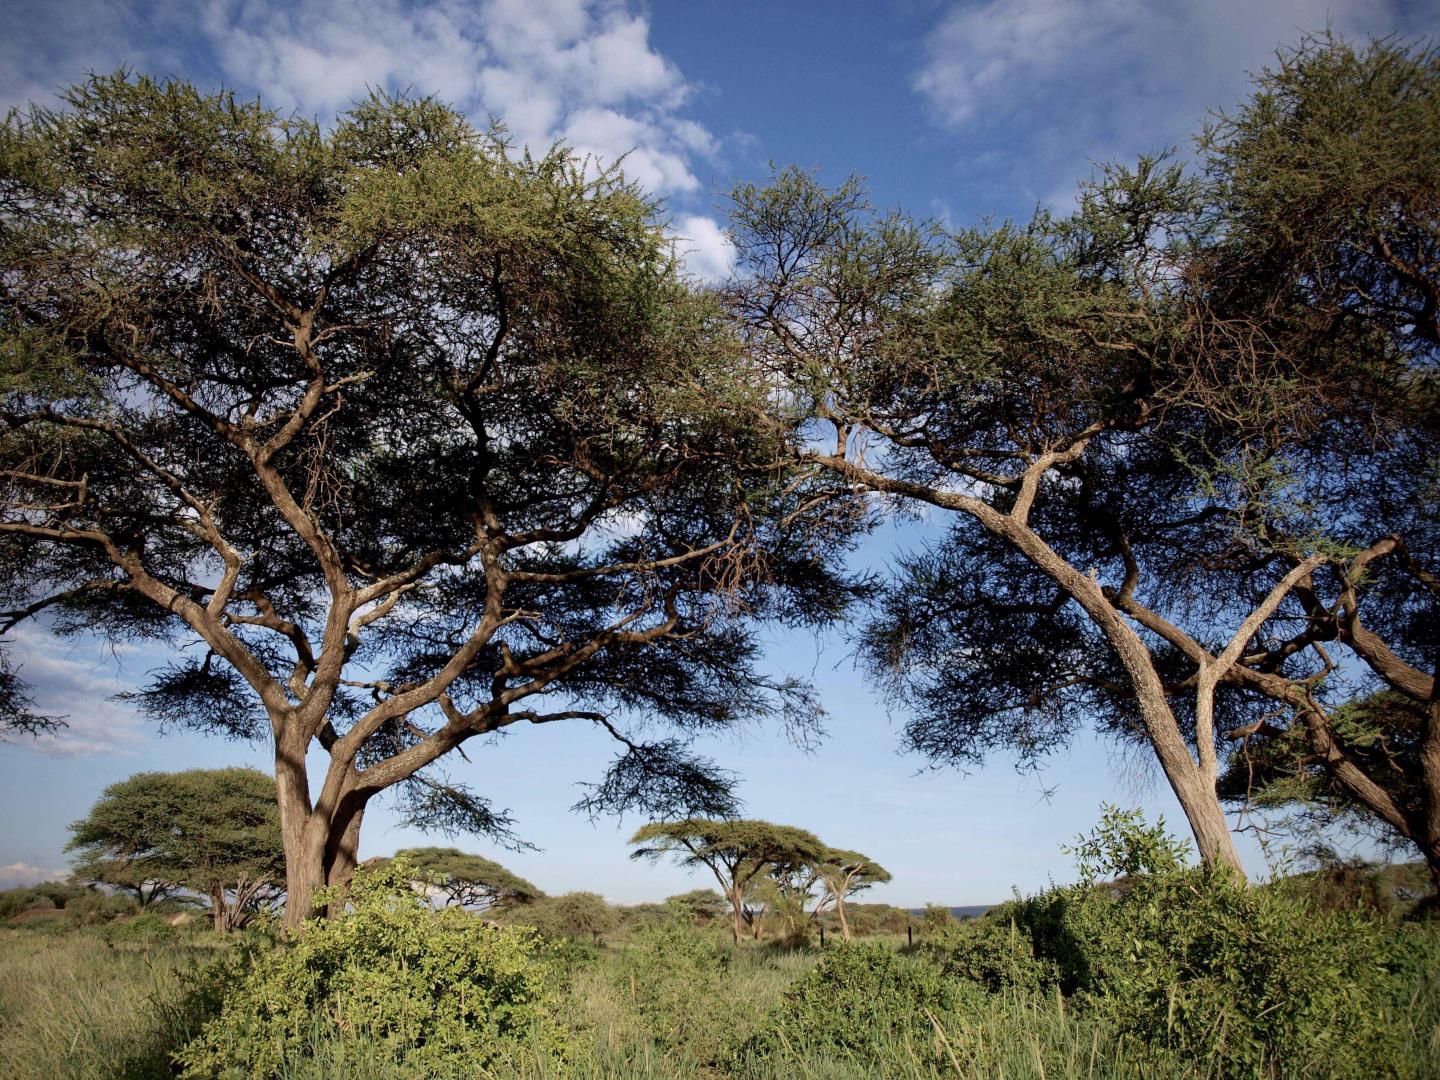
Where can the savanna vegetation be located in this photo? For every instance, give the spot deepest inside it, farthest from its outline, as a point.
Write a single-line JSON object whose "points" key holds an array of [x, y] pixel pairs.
{"points": [[416, 437]]}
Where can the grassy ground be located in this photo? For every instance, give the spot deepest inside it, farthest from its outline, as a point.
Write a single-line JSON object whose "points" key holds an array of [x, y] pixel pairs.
{"points": [[73, 1007]]}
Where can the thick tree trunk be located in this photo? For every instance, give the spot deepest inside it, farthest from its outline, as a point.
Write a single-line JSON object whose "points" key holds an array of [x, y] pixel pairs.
{"points": [[1430, 781], [219, 911], [1192, 782], [302, 833], [342, 850]]}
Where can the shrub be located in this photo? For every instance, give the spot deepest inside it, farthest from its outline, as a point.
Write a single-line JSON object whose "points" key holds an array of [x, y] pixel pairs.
{"points": [[583, 916], [442, 992], [145, 928], [1239, 981], [862, 1003], [994, 952], [676, 982]]}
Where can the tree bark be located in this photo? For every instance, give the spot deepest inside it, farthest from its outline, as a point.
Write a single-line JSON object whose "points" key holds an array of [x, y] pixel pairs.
{"points": [[840, 913], [735, 911]]}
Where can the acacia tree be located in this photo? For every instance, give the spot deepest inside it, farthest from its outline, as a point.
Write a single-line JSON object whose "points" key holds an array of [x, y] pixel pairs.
{"points": [[970, 373], [469, 880], [1331, 229], [1110, 407], [737, 852], [843, 874], [413, 437], [213, 831]]}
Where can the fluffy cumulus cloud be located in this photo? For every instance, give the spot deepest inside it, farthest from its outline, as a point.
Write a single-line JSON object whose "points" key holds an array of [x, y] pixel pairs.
{"points": [[702, 244], [581, 71], [1060, 83], [72, 680]]}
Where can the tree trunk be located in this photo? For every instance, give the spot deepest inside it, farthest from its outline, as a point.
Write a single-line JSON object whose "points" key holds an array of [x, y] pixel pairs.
{"points": [[1192, 783], [840, 913], [302, 836], [735, 910], [219, 910], [342, 848]]}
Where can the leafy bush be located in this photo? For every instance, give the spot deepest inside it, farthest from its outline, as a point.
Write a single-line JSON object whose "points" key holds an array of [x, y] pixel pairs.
{"points": [[1239, 981], [862, 1003], [676, 982], [442, 992], [579, 915], [145, 928], [994, 952]]}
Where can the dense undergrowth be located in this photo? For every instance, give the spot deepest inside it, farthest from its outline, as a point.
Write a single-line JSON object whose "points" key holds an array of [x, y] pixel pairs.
{"points": [[1165, 972]]}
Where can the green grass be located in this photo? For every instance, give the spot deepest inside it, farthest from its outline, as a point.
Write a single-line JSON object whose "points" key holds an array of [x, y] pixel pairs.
{"points": [[73, 1007]]}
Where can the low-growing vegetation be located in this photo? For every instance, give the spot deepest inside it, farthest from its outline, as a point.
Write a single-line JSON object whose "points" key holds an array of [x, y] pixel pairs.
{"points": [[1145, 967]]}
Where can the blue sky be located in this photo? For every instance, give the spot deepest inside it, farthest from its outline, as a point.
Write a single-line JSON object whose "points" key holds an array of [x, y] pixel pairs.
{"points": [[953, 110]]}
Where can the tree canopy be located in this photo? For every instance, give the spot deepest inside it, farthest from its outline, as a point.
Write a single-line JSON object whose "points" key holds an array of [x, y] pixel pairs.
{"points": [[736, 851], [1181, 436], [415, 436], [213, 831], [468, 880]]}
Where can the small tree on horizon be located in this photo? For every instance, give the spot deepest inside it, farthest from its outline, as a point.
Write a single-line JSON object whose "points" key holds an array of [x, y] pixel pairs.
{"points": [[843, 874], [467, 880], [737, 852]]}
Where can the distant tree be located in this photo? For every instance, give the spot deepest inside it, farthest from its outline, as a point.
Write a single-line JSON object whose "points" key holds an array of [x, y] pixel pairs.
{"points": [[416, 437], [736, 851], [469, 880], [215, 831], [579, 915], [843, 874], [698, 905]]}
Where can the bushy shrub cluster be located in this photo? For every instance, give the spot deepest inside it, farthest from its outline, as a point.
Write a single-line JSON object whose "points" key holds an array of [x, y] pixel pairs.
{"points": [[441, 991], [862, 1003], [1197, 967], [675, 981]]}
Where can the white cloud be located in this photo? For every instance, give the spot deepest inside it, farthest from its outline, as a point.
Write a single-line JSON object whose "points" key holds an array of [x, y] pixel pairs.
{"points": [[1060, 83], [706, 251], [16, 874], [70, 680], [581, 70], [550, 69]]}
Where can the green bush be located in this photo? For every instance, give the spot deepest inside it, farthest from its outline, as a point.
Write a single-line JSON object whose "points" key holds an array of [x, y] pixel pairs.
{"points": [[862, 1003], [1239, 981], [675, 981], [145, 928], [441, 991], [994, 952], [583, 916]]}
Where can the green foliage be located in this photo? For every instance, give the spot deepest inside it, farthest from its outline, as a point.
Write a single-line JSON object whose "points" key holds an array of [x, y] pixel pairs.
{"points": [[582, 916], [147, 927], [992, 951], [441, 990], [678, 984], [697, 907], [1194, 965], [215, 831], [859, 1003], [468, 880]]}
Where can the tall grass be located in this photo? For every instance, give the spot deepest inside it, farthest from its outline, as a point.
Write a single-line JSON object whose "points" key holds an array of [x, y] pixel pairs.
{"points": [[73, 1007]]}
